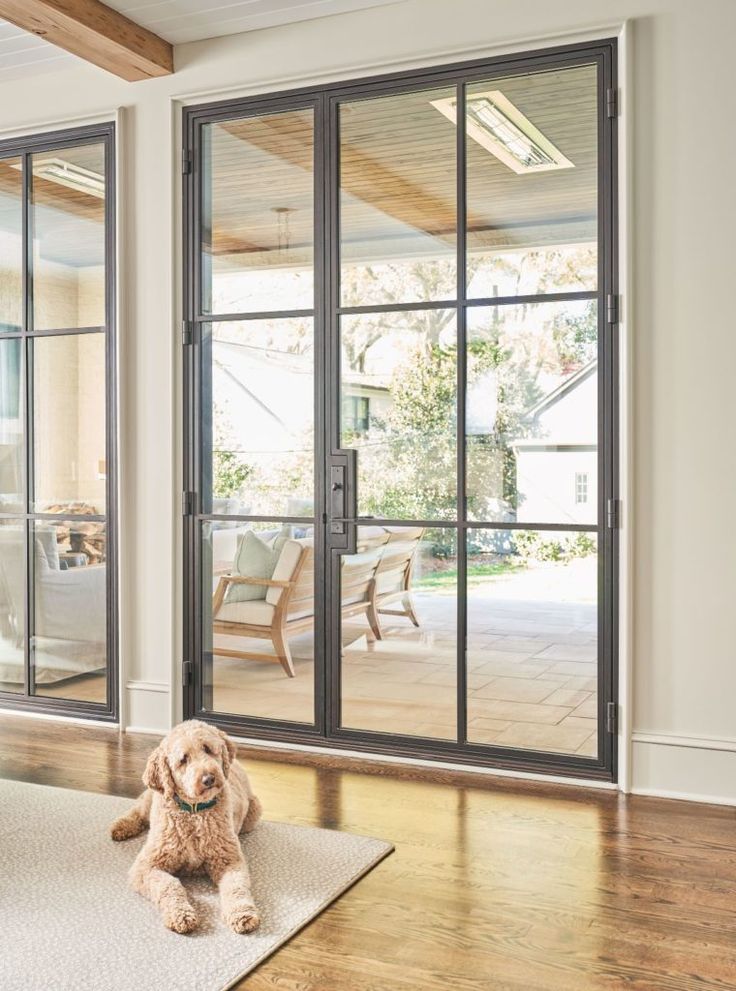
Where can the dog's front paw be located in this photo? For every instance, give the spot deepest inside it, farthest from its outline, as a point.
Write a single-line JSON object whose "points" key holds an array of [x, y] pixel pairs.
{"points": [[127, 826], [180, 918], [242, 918]]}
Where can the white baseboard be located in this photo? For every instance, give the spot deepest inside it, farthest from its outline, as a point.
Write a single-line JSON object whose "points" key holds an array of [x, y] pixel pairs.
{"points": [[690, 768], [147, 707]]}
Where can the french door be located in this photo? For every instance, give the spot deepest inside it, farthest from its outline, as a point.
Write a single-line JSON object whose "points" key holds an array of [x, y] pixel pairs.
{"points": [[400, 406]]}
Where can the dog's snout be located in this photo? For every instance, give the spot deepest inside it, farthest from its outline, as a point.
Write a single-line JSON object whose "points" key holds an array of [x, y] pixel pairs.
{"points": [[208, 780]]}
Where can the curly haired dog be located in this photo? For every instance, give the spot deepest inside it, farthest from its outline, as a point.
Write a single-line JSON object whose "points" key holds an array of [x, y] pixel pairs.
{"points": [[198, 800]]}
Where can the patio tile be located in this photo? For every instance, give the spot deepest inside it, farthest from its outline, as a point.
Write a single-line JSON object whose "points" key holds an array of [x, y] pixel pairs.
{"points": [[578, 684], [578, 668], [564, 696], [587, 710], [500, 668], [561, 738], [517, 689], [590, 747], [580, 722], [569, 652], [523, 712], [481, 730]]}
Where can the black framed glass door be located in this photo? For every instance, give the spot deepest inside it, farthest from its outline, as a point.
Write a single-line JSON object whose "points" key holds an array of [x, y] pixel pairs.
{"points": [[401, 385], [58, 584]]}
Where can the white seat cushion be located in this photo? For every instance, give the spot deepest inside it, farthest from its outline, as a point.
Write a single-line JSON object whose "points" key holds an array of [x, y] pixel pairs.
{"points": [[257, 612]]}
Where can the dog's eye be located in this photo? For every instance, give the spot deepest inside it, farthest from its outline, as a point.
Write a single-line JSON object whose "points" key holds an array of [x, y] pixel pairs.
{"points": [[183, 760], [207, 750]]}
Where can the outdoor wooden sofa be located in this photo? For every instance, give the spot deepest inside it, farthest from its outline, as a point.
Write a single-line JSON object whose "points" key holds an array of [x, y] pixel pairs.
{"points": [[378, 575]]}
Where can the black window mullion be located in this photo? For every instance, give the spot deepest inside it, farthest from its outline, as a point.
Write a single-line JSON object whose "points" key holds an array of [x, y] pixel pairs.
{"points": [[462, 366], [27, 361]]}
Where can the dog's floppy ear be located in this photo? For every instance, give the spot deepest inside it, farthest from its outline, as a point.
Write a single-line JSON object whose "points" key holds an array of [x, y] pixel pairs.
{"points": [[157, 774], [228, 752]]}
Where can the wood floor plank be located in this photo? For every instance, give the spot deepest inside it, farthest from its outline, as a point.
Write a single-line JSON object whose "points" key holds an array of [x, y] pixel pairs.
{"points": [[495, 885]]}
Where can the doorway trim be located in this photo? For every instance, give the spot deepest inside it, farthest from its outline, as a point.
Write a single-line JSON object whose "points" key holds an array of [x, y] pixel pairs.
{"points": [[603, 51]]}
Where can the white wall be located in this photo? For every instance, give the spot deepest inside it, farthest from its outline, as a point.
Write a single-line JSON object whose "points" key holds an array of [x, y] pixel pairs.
{"points": [[684, 150]]}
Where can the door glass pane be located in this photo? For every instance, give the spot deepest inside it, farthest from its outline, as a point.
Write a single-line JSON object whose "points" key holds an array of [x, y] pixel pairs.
{"points": [[258, 214], [70, 609], [70, 468], [398, 403], [11, 427], [532, 187], [532, 413], [68, 230], [398, 196], [258, 418], [12, 605], [258, 640], [398, 619], [532, 640], [11, 244]]}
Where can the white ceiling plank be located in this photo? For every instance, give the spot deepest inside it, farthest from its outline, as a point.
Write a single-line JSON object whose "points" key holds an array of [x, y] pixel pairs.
{"points": [[179, 22]]}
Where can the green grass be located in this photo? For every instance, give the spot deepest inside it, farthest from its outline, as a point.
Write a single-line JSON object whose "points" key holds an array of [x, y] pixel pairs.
{"points": [[477, 574]]}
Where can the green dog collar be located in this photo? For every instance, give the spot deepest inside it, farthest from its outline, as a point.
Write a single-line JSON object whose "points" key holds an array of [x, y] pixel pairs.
{"points": [[197, 807]]}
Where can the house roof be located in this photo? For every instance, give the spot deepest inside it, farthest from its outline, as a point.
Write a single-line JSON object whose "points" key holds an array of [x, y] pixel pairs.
{"points": [[564, 388]]}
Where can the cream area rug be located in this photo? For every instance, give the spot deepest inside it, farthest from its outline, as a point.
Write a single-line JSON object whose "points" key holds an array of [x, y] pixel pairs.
{"points": [[69, 922]]}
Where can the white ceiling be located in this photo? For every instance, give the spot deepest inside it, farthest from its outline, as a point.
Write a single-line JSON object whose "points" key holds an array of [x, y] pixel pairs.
{"points": [[177, 21]]}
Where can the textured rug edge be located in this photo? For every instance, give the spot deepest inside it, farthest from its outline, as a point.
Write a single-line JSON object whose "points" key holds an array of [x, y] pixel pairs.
{"points": [[380, 856]]}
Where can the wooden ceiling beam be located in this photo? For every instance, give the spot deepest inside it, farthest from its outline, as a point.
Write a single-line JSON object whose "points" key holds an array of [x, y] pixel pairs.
{"points": [[94, 32]]}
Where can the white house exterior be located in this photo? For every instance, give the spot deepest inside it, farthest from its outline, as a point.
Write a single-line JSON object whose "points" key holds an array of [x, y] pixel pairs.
{"points": [[557, 468]]}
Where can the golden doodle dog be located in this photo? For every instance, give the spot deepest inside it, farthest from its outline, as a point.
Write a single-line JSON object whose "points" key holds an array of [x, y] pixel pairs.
{"points": [[197, 800]]}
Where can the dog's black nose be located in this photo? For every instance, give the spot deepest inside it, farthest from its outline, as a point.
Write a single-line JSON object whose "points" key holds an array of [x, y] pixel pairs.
{"points": [[208, 780]]}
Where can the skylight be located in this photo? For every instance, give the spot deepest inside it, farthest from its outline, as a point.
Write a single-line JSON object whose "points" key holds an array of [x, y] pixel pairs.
{"points": [[501, 128]]}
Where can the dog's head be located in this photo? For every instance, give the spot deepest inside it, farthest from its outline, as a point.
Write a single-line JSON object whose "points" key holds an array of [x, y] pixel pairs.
{"points": [[193, 762]]}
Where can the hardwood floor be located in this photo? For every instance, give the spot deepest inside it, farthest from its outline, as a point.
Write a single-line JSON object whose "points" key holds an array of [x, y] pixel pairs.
{"points": [[495, 884]]}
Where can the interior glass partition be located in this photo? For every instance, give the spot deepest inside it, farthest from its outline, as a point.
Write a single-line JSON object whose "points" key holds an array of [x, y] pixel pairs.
{"points": [[57, 441], [401, 449]]}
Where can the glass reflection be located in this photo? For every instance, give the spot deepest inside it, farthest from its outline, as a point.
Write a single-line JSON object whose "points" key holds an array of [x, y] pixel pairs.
{"points": [[532, 183], [11, 427], [68, 230], [532, 640], [258, 418], [532, 413], [398, 197], [12, 605], [11, 244], [70, 468], [398, 612], [70, 609], [258, 215], [398, 410], [258, 640]]}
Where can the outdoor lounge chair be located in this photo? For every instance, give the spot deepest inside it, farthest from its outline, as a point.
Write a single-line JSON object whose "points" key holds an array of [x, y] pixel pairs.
{"points": [[288, 605]]}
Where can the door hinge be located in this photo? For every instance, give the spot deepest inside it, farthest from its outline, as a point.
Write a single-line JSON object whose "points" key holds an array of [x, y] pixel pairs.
{"points": [[188, 502], [187, 670], [186, 163], [611, 717], [186, 332], [611, 308], [613, 511], [611, 102]]}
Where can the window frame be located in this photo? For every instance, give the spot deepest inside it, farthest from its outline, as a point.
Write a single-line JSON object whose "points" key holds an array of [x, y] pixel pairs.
{"points": [[326, 731], [24, 147]]}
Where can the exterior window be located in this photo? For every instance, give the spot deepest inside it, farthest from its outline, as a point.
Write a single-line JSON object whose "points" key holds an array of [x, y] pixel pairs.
{"points": [[581, 487], [356, 414]]}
